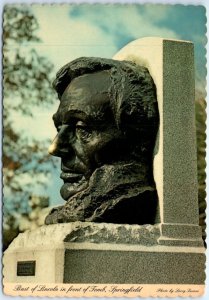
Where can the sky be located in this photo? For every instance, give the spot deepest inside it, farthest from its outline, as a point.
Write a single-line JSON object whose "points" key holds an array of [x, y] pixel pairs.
{"points": [[70, 31]]}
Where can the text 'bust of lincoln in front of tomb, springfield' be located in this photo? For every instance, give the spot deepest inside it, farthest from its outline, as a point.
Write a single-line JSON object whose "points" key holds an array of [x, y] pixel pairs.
{"points": [[107, 123]]}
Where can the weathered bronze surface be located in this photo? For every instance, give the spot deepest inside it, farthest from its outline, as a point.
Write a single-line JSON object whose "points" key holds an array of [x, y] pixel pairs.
{"points": [[107, 123]]}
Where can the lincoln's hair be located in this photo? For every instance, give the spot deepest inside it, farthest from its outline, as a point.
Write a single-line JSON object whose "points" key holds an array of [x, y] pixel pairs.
{"points": [[132, 93]]}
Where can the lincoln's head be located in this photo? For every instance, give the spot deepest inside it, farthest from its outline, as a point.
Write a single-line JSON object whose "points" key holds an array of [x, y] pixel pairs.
{"points": [[107, 118]]}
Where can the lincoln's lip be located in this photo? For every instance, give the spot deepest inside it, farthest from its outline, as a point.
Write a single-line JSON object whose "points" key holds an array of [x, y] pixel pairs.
{"points": [[70, 177]]}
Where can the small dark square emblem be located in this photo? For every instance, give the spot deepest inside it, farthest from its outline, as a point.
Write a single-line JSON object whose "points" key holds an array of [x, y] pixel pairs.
{"points": [[26, 268]]}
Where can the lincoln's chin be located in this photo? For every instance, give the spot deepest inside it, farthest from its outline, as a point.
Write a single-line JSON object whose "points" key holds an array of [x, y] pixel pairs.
{"points": [[73, 184]]}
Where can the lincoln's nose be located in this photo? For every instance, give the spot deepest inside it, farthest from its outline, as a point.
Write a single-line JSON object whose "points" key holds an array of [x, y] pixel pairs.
{"points": [[53, 148], [59, 146]]}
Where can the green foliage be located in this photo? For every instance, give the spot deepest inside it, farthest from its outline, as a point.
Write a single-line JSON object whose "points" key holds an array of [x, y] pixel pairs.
{"points": [[19, 222], [26, 86], [201, 163], [26, 74], [19, 25]]}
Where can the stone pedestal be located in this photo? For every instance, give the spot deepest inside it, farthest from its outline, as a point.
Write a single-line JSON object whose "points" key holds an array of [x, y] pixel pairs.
{"points": [[101, 253]]}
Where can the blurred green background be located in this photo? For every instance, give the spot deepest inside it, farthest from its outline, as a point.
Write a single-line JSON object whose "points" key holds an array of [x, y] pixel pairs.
{"points": [[38, 40]]}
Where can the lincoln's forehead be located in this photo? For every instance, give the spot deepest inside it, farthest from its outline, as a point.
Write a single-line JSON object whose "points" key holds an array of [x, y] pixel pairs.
{"points": [[91, 84], [87, 94], [98, 81], [87, 91]]}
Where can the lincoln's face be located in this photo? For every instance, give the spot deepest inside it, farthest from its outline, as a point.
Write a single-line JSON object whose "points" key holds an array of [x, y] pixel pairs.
{"points": [[87, 134]]}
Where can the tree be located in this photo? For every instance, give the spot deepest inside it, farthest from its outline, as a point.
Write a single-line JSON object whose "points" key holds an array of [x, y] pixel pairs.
{"points": [[26, 85], [201, 163]]}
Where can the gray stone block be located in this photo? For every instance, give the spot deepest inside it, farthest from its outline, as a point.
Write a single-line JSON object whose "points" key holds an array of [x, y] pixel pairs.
{"points": [[180, 203], [184, 231], [117, 267]]}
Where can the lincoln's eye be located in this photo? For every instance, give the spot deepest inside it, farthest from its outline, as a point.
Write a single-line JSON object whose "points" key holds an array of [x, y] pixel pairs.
{"points": [[82, 130], [58, 128]]}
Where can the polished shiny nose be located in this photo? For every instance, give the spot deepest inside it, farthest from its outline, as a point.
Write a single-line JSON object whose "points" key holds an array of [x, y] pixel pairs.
{"points": [[59, 145]]}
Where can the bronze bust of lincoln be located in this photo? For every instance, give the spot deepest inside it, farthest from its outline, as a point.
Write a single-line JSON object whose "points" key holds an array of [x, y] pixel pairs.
{"points": [[107, 123]]}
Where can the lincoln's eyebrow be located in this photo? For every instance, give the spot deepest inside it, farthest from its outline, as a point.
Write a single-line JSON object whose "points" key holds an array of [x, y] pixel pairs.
{"points": [[76, 114]]}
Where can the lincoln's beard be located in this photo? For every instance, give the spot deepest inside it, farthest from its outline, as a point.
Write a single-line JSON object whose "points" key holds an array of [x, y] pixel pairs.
{"points": [[122, 193]]}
